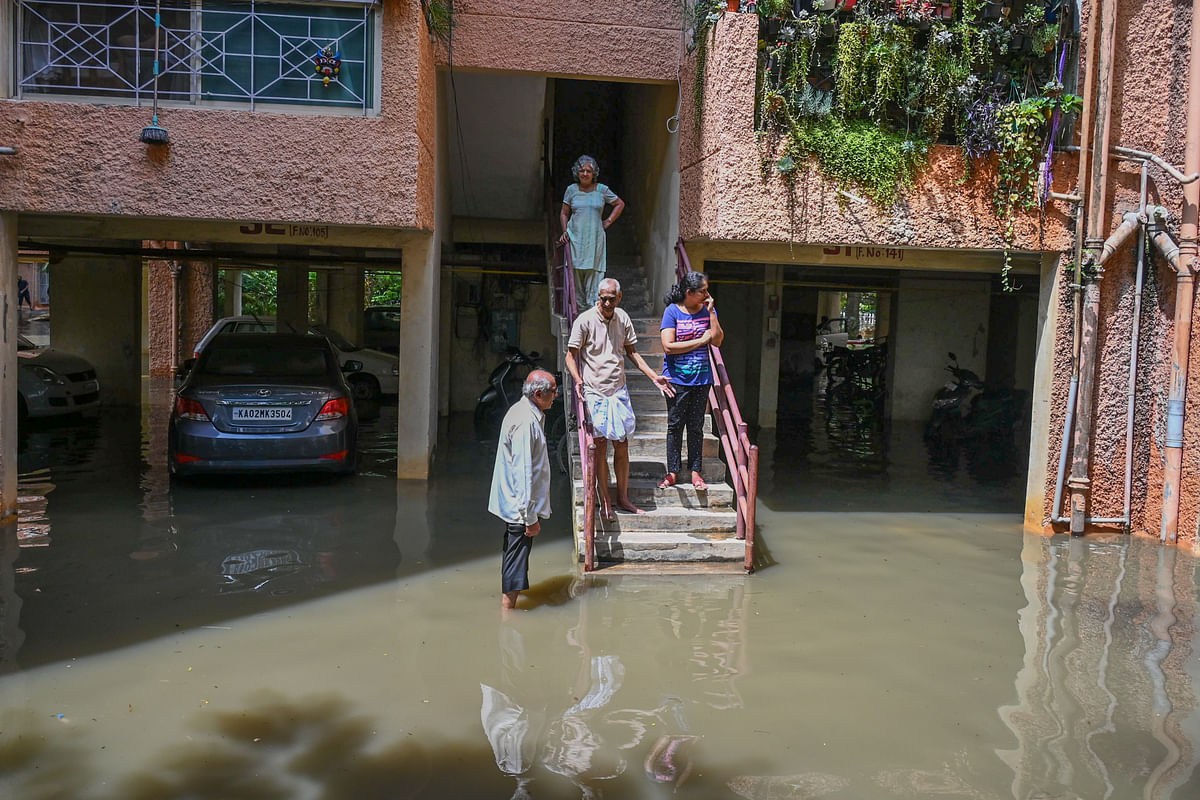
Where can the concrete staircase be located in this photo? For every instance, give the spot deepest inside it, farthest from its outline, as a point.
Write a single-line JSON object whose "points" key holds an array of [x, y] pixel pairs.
{"points": [[681, 526]]}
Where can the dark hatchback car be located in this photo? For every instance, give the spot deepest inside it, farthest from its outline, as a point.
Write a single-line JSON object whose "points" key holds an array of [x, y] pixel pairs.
{"points": [[264, 403]]}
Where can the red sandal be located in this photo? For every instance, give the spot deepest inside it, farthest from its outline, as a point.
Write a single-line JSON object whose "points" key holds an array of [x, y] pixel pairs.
{"points": [[698, 483], [668, 481]]}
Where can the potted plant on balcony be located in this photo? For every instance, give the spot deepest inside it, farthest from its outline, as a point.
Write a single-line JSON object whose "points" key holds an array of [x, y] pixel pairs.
{"points": [[732, 6], [996, 10]]}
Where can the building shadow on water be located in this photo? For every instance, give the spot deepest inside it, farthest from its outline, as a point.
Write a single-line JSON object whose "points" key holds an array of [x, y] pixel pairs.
{"points": [[111, 551]]}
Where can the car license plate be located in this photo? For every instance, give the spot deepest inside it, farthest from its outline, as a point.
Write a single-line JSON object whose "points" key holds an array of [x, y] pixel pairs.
{"points": [[262, 414]]}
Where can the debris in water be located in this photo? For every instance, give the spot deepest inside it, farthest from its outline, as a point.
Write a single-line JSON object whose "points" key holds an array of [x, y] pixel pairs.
{"points": [[669, 760]]}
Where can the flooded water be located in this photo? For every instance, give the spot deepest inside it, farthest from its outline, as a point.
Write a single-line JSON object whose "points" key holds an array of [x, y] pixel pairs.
{"points": [[343, 639]]}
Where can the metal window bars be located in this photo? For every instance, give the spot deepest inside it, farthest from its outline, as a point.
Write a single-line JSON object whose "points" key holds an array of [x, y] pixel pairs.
{"points": [[213, 51]]}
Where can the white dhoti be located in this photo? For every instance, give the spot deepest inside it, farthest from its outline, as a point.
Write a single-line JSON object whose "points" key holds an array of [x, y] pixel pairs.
{"points": [[612, 415]]}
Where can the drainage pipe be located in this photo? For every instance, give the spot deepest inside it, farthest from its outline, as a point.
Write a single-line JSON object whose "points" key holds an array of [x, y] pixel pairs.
{"points": [[1130, 222], [1079, 482], [1184, 295], [1131, 399]]}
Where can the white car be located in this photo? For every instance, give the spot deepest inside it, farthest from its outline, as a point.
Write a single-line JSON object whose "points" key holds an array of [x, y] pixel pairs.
{"points": [[51, 382], [380, 372]]}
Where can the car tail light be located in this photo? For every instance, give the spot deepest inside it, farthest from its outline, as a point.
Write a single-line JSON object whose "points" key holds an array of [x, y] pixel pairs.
{"points": [[187, 408], [184, 458], [336, 408], [340, 455]]}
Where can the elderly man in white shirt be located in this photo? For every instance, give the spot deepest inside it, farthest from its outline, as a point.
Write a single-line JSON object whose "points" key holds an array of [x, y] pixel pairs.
{"points": [[521, 481]]}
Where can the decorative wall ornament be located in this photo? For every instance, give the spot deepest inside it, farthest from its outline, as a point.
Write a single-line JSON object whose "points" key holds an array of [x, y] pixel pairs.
{"points": [[328, 63]]}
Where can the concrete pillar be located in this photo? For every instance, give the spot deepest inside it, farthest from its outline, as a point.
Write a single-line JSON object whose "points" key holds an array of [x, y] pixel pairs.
{"points": [[416, 428], [196, 313], [1043, 433], [8, 367], [162, 331], [768, 373], [346, 302], [291, 298], [233, 293], [101, 293], [446, 338], [883, 314], [829, 306]]}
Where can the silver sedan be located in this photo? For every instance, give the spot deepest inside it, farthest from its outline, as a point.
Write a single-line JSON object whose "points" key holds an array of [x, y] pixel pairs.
{"points": [[264, 403]]}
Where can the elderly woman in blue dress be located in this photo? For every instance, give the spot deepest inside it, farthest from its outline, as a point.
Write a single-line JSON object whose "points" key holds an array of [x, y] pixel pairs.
{"points": [[584, 224]]}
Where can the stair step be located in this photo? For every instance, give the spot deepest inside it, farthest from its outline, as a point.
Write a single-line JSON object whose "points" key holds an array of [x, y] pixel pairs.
{"points": [[713, 469], [644, 492], [665, 546]]}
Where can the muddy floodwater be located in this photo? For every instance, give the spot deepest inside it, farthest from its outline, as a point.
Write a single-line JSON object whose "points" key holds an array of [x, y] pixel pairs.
{"points": [[342, 639]]}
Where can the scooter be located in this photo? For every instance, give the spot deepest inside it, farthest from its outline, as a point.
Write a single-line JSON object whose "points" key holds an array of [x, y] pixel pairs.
{"points": [[504, 389], [952, 402]]}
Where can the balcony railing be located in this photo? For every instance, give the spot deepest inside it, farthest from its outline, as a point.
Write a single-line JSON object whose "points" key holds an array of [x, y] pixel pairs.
{"points": [[209, 51]]}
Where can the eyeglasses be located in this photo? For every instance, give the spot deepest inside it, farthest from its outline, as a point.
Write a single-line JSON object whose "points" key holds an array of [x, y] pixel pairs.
{"points": [[609, 299], [548, 391]]}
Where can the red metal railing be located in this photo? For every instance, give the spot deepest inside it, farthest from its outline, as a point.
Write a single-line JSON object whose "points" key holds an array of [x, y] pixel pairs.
{"points": [[741, 456], [565, 304]]}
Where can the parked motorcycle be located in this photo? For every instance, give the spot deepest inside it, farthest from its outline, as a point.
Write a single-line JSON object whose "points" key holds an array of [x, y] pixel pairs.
{"points": [[951, 403], [965, 407], [504, 389]]}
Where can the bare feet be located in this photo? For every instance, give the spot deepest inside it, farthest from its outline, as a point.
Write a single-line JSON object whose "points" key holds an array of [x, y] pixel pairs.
{"points": [[508, 601], [606, 510], [625, 504]]}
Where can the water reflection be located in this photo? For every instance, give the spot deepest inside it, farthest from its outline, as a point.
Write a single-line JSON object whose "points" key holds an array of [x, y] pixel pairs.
{"points": [[592, 730], [832, 447], [1107, 696]]}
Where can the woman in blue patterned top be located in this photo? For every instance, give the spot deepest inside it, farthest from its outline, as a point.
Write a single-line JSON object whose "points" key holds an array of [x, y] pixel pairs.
{"points": [[584, 225], [689, 326]]}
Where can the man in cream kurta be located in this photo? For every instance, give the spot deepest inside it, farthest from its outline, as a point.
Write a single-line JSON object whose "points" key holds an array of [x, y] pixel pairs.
{"points": [[521, 481], [601, 338]]}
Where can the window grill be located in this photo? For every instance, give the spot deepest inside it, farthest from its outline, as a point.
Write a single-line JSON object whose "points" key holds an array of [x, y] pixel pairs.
{"points": [[211, 51]]}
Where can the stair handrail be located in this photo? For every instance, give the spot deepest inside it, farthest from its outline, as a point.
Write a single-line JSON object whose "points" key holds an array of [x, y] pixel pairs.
{"points": [[566, 300], [741, 455]]}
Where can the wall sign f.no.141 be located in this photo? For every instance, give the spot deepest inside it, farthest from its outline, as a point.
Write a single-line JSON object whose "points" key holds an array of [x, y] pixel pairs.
{"points": [[328, 63]]}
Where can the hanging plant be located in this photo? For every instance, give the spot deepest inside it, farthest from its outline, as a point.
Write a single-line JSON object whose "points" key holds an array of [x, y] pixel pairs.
{"points": [[861, 154], [439, 18], [1020, 139], [890, 54], [704, 15], [850, 66]]}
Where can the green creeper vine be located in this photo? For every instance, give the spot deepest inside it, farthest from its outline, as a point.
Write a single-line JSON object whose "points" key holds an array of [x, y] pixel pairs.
{"points": [[850, 74]]}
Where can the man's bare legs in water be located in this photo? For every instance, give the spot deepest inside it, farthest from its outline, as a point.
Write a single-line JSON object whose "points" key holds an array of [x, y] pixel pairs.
{"points": [[621, 467]]}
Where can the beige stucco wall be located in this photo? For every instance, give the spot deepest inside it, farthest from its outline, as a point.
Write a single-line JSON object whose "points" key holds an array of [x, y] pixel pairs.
{"points": [[615, 40], [85, 158]]}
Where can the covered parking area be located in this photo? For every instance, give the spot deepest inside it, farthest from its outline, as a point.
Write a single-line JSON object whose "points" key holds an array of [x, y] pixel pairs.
{"points": [[134, 295], [856, 419]]}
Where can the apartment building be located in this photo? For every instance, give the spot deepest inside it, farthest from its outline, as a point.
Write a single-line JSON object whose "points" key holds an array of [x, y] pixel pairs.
{"points": [[443, 155]]}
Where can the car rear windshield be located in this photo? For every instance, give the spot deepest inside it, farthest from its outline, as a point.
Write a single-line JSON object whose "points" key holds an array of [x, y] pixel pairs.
{"points": [[305, 362]]}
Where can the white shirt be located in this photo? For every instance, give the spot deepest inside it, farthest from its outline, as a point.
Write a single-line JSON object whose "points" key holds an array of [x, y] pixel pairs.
{"points": [[521, 478]]}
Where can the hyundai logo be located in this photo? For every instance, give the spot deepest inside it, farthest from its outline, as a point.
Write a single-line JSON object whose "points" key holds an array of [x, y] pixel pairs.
{"points": [[264, 392]]}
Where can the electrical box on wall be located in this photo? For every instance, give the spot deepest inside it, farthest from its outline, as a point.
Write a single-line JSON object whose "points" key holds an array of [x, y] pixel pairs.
{"points": [[466, 322]]}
